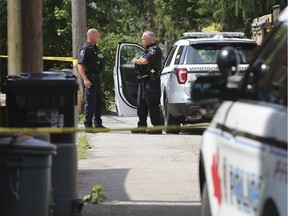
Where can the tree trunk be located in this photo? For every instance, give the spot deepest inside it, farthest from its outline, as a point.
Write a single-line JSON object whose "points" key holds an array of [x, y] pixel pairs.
{"points": [[79, 37], [25, 37]]}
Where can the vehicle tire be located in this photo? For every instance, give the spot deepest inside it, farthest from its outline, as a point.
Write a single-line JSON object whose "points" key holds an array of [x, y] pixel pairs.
{"points": [[270, 209], [169, 120], [205, 207]]}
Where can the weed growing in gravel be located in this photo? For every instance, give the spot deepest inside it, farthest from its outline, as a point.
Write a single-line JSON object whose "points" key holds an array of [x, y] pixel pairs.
{"points": [[96, 196], [82, 146]]}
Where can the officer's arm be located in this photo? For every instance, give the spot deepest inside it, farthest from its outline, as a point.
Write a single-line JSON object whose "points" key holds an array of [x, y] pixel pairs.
{"points": [[82, 72], [140, 61], [81, 69]]}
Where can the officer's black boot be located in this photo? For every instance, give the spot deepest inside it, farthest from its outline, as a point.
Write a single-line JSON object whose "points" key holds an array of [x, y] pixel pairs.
{"points": [[140, 129], [154, 130]]}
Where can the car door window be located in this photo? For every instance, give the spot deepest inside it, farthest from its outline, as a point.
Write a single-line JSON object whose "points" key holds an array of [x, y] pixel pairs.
{"points": [[127, 54], [180, 56], [170, 56], [266, 79], [128, 74]]}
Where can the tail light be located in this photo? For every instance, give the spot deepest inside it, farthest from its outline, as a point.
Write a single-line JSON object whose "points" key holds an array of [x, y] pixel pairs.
{"points": [[181, 74]]}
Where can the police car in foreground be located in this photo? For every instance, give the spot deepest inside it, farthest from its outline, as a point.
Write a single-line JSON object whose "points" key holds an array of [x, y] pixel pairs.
{"points": [[243, 157]]}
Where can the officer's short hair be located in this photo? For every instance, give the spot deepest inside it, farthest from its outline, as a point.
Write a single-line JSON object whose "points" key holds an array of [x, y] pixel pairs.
{"points": [[150, 35], [91, 31]]}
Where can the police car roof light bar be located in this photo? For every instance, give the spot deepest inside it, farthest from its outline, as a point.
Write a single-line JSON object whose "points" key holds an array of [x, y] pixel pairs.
{"points": [[212, 34]]}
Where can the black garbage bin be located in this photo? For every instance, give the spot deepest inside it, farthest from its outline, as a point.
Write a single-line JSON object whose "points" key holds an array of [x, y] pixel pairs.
{"points": [[49, 99], [25, 177]]}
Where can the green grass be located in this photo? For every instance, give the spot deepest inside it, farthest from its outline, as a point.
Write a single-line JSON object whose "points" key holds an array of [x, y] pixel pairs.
{"points": [[81, 119], [82, 140], [82, 146]]}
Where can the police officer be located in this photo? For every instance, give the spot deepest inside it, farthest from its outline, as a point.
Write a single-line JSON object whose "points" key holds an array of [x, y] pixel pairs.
{"points": [[148, 100], [90, 66]]}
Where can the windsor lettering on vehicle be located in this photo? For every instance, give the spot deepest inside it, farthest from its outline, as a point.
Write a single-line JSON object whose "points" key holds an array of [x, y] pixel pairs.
{"points": [[243, 189], [209, 68]]}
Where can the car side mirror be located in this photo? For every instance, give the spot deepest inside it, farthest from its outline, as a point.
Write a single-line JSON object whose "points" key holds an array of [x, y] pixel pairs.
{"points": [[228, 60]]}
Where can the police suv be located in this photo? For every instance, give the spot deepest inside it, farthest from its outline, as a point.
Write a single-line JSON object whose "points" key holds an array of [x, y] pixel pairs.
{"points": [[243, 156], [190, 57]]}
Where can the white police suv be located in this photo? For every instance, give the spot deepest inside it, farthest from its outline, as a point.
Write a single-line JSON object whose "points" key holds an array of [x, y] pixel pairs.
{"points": [[243, 157], [193, 56]]}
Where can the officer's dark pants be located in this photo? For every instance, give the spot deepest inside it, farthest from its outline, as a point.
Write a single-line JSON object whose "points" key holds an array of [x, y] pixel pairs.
{"points": [[93, 102], [148, 101]]}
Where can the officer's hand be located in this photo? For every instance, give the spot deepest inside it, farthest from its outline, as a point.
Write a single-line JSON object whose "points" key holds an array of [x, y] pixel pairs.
{"points": [[134, 60], [87, 83]]}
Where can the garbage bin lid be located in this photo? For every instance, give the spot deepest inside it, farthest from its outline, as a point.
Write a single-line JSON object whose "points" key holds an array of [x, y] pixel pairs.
{"points": [[45, 75], [32, 146], [54, 79]]}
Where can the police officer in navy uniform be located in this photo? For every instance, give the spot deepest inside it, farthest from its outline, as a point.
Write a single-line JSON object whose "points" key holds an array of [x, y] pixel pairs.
{"points": [[90, 66], [148, 100]]}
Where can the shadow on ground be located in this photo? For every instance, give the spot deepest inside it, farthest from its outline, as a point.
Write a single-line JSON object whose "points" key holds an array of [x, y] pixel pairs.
{"points": [[118, 202], [194, 131], [111, 180], [138, 209]]}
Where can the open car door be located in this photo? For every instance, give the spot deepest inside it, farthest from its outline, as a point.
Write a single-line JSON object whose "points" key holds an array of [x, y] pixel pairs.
{"points": [[125, 78]]}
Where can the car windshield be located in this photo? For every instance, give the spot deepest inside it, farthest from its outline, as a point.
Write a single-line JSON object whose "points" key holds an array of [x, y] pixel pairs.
{"points": [[266, 79], [199, 54]]}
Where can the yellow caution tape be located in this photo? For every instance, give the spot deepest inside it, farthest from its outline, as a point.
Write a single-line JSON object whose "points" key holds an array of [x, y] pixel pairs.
{"points": [[69, 59], [4, 130]]}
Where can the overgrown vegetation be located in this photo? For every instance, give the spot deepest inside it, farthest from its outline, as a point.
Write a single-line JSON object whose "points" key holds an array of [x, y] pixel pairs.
{"points": [[82, 146], [96, 196]]}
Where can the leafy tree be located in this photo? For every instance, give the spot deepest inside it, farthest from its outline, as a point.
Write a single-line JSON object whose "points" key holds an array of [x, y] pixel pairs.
{"points": [[57, 32], [176, 17], [237, 15], [114, 16], [3, 40], [3, 26]]}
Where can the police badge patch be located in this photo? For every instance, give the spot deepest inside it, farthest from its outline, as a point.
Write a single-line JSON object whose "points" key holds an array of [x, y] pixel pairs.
{"points": [[152, 51], [82, 52]]}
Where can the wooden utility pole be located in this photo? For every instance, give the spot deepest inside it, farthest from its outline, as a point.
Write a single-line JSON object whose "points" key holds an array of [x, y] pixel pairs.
{"points": [[25, 41], [79, 37]]}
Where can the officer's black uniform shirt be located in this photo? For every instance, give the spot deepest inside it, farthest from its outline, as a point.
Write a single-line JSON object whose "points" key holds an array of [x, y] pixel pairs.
{"points": [[91, 57], [153, 55]]}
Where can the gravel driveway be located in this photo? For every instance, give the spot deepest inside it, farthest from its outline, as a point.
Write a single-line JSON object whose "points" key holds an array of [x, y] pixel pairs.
{"points": [[141, 174]]}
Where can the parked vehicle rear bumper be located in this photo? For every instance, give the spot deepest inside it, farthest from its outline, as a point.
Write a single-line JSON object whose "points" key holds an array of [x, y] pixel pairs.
{"points": [[189, 111]]}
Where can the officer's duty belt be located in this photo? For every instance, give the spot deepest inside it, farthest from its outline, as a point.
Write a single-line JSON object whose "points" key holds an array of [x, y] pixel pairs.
{"points": [[142, 77]]}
